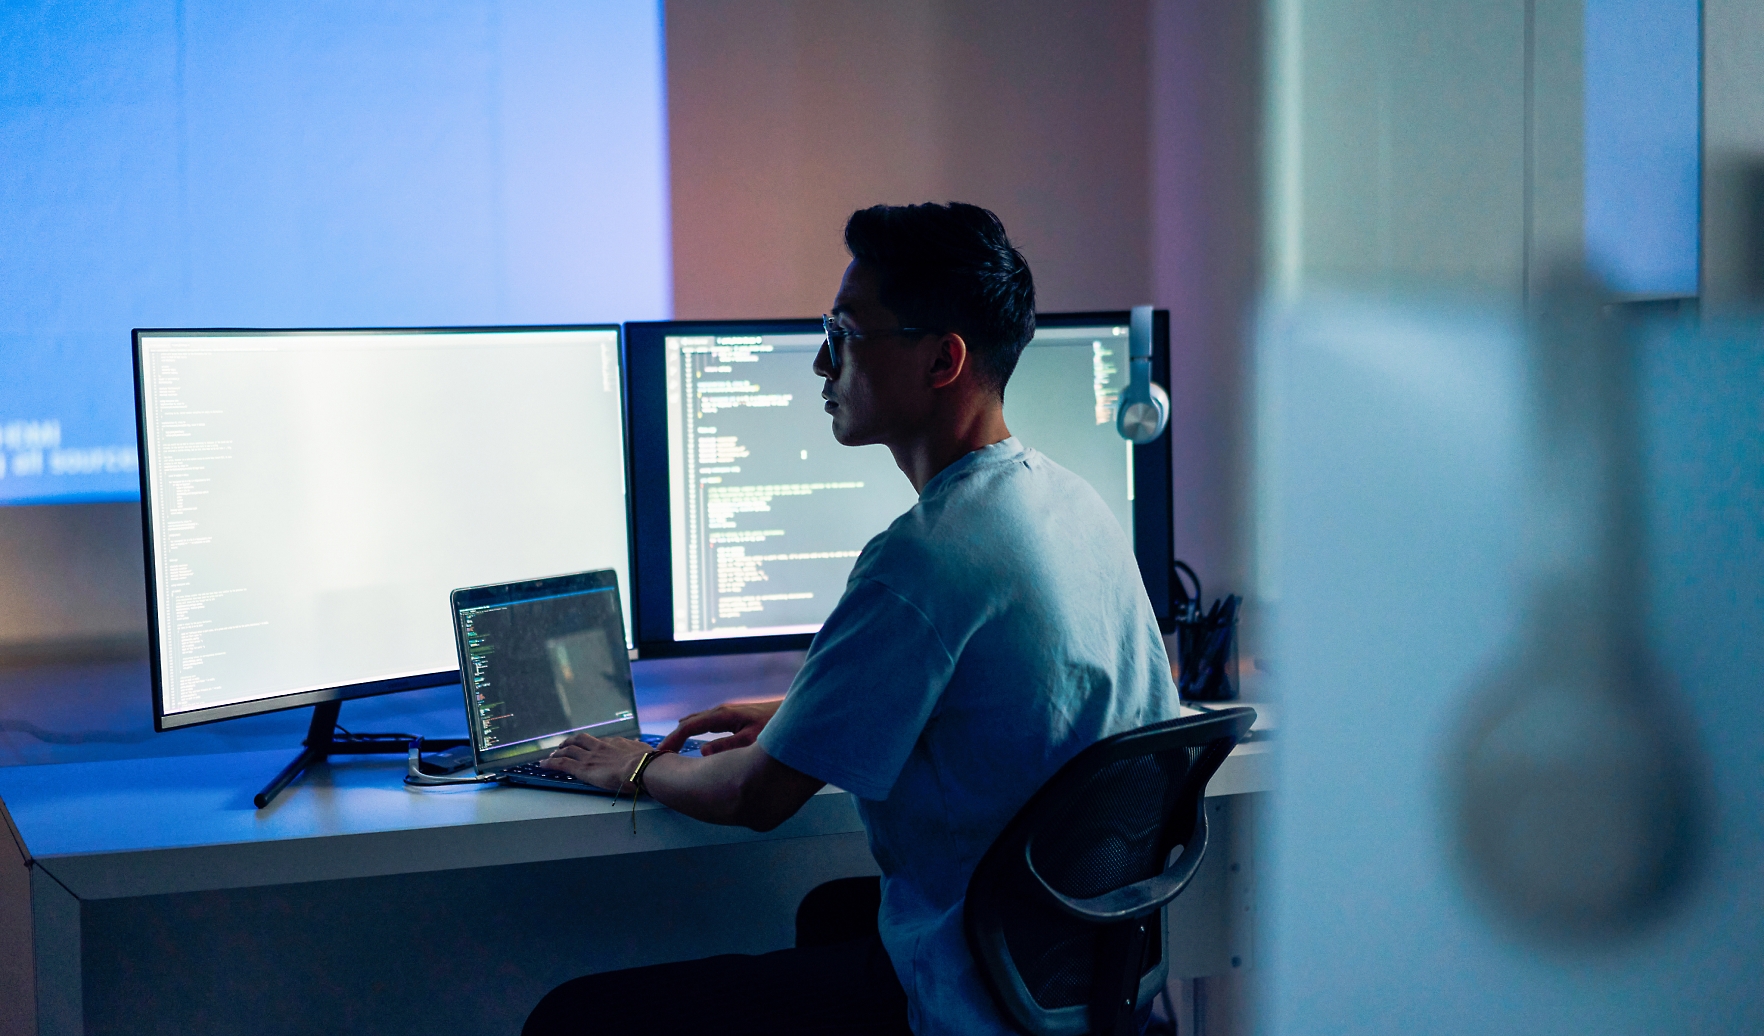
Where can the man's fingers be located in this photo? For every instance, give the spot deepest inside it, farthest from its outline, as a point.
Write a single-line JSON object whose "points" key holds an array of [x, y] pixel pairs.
{"points": [[739, 739], [687, 728], [717, 720]]}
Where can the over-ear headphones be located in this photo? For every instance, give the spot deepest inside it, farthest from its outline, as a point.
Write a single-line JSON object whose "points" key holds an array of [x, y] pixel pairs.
{"points": [[1143, 411]]}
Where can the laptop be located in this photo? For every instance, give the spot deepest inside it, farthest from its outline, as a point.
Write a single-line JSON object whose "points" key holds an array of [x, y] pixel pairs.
{"points": [[541, 661]]}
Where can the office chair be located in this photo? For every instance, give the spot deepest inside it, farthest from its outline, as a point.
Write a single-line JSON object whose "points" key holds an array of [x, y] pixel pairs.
{"points": [[1065, 911]]}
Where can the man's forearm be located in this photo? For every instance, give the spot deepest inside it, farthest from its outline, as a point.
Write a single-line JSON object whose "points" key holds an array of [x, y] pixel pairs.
{"points": [[742, 786]]}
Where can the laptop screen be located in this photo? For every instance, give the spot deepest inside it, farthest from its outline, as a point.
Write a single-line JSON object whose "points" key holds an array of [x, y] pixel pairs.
{"points": [[542, 660]]}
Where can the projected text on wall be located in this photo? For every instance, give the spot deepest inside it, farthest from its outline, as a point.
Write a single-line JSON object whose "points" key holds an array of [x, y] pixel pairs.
{"points": [[34, 463]]}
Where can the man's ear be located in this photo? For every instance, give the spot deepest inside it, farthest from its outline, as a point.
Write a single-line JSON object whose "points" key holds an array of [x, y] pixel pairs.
{"points": [[950, 359]]}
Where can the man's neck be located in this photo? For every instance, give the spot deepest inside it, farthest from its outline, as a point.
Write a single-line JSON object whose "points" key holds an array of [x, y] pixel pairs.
{"points": [[922, 457]]}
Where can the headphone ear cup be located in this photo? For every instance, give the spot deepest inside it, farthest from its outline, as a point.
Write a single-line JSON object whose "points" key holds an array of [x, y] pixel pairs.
{"points": [[1143, 408], [1144, 420]]}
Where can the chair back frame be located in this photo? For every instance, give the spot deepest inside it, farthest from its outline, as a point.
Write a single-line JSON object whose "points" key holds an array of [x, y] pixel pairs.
{"points": [[1126, 918]]}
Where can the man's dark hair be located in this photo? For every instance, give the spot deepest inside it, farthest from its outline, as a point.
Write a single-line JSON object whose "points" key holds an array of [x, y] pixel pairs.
{"points": [[951, 268]]}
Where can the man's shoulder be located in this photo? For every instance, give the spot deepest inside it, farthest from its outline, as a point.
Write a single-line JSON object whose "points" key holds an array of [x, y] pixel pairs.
{"points": [[1041, 470], [1018, 484], [1004, 516], [1031, 499]]}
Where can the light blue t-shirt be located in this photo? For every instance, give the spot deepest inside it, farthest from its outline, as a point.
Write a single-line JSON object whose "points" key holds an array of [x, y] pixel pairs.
{"points": [[990, 634]]}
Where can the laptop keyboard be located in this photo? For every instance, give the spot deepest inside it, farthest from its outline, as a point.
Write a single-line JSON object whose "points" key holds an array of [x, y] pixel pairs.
{"points": [[533, 769]]}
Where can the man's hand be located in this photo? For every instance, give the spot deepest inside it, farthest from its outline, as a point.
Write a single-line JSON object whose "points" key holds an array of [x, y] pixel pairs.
{"points": [[741, 786], [605, 762], [744, 721]]}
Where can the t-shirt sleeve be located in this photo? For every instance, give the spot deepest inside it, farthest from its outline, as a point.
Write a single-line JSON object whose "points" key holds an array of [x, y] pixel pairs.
{"points": [[865, 692]]}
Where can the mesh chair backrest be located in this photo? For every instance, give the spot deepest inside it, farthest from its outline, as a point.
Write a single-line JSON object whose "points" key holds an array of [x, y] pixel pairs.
{"points": [[1115, 829], [1108, 819]]}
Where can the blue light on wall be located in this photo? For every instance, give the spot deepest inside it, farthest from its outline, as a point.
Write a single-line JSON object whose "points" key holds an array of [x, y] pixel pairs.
{"points": [[191, 163], [1643, 75]]}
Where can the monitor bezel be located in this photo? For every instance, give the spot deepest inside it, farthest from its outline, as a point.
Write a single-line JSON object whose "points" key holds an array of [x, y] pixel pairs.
{"points": [[652, 592], [164, 721]]}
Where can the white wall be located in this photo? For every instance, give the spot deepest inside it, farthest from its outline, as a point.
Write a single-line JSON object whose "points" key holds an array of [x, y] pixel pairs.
{"points": [[786, 115], [1733, 151], [71, 580], [1422, 146], [1415, 148], [1206, 131]]}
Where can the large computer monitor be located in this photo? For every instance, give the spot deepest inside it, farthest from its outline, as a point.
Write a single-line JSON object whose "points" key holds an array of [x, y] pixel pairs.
{"points": [[310, 498], [749, 516]]}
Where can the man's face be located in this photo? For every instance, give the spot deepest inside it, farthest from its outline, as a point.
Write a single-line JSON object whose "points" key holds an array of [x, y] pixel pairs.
{"points": [[881, 393]]}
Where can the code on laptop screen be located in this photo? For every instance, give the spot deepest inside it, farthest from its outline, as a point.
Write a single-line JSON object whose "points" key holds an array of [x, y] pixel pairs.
{"points": [[537, 671]]}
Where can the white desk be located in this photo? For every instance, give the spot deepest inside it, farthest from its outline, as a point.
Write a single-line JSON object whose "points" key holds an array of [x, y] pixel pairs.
{"points": [[154, 897]]}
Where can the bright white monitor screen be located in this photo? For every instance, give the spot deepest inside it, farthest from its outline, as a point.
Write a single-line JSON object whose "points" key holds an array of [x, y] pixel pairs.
{"points": [[768, 513], [314, 496]]}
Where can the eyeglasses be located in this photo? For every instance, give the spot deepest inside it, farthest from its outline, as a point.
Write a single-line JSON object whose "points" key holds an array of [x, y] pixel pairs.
{"points": [[837, 337]]}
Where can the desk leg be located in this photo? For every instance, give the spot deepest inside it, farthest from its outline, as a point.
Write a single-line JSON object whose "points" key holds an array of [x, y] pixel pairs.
{"points": [[55, 935], [17, 968], [1211, 939], [1240, 879]]}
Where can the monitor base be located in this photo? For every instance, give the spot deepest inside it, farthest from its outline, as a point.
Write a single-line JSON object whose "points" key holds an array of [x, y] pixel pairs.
{"points": [[322, 742]]}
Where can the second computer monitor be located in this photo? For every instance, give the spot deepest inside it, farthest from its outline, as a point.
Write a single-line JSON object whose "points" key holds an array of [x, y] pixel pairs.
{"points": [[310, 498], [749, 515]]}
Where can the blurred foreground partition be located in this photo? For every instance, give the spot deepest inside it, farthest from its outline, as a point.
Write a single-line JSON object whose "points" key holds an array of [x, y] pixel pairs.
{"points": [[1394, 457]]}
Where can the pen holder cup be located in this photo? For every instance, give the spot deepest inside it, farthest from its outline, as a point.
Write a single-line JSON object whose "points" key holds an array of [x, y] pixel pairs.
{"points": [[1206, 659]]}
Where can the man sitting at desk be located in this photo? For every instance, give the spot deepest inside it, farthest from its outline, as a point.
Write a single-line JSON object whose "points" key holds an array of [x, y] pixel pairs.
{"points": [[990, 634]]}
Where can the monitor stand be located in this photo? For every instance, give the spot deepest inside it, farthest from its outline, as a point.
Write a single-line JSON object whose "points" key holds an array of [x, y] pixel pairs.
{"points": [[321, 742]]}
